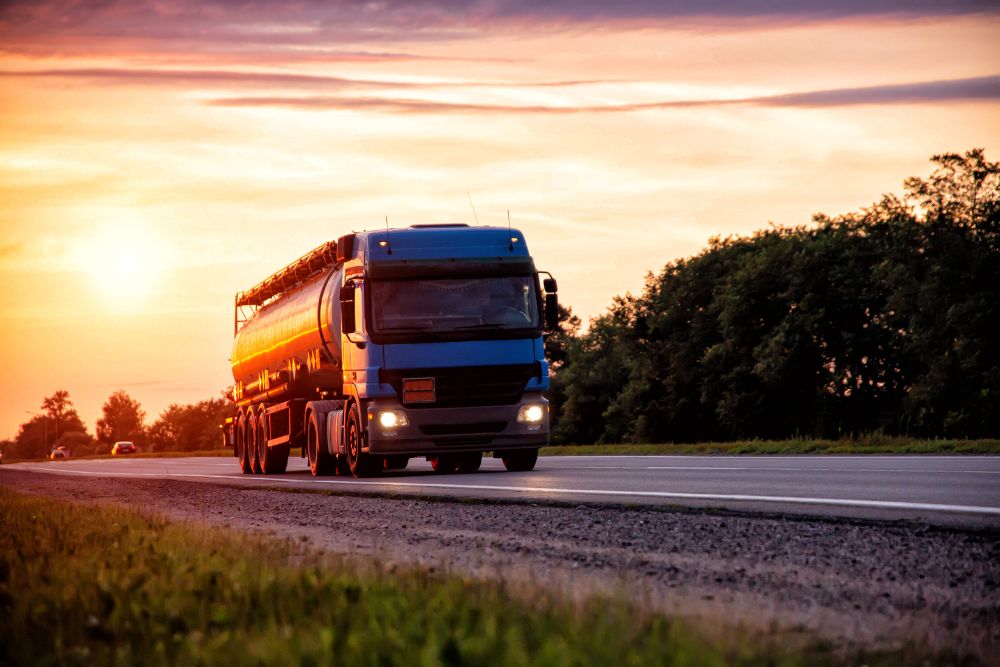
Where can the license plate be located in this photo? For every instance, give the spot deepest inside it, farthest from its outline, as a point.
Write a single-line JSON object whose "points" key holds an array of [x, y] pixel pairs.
{"points": [[418, 390]]}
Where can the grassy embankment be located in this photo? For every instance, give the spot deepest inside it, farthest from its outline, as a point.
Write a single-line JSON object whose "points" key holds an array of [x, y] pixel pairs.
{"points": [[137, 455], [870, 445], [87, 584]]}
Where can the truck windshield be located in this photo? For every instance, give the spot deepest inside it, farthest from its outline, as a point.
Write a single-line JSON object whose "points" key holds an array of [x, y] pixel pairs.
{"points": [[454, 304]]}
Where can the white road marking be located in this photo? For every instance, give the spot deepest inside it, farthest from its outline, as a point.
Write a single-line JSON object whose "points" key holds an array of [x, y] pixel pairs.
{"points": [[830, 502], [769, 469], [841, 470], [744, 457]]}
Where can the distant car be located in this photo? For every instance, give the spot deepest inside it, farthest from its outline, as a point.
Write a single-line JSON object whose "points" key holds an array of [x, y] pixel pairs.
{"points": [[58, 453], [124, 447]]}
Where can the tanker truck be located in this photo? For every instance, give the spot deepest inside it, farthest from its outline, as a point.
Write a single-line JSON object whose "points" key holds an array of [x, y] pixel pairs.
{"points": [[386, 345]]}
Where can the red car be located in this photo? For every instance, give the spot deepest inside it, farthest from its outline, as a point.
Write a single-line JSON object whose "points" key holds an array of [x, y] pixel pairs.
{"points": [[124, 447]]}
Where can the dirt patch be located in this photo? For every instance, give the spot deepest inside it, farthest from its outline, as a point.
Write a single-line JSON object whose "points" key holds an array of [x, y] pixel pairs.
{"points": [[875, 585]]}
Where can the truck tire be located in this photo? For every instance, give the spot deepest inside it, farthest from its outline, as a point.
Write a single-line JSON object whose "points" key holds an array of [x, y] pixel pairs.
{"points": [[273, 460], [242, 452], [359, 463], [320, 461], [519, 460], [470, 461], [252, 449], [277, 460]]}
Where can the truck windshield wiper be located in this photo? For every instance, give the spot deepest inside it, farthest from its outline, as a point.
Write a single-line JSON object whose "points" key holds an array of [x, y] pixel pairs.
{"points": [[502, 325], [425, 331], [407, 328]]}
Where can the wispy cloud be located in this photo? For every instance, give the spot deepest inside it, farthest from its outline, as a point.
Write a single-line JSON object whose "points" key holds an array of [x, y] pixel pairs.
{"points": [[267, 24], [981, 88], [216, 77]]}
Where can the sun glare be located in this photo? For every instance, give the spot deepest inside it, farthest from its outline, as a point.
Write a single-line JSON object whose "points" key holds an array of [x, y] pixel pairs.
{"points": [[123, 262]]}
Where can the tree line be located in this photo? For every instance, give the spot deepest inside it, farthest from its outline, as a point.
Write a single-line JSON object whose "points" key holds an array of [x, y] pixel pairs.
{"points": [[881, 321], [178, 428]]}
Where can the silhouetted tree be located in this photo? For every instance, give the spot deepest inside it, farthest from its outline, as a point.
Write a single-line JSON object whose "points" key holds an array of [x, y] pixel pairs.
{"points": [[190, 427], [557, 342], [557, 345], [883, 320], [37, 436], [123, 419]]}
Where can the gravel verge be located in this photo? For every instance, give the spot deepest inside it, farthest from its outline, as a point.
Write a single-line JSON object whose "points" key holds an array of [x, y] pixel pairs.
{"points": [[870, 585]]}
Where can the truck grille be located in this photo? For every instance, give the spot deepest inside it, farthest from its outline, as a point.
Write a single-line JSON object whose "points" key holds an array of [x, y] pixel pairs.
{"points": [[467, 386], [456, 429], [466, 441]]}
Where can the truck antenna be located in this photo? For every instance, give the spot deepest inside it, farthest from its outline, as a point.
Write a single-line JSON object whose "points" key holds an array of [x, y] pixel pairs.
{"points": [[388, 245], [510, 239], [473, 206]]}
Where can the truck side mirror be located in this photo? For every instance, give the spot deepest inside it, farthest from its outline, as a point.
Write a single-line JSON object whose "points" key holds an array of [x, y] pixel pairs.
{"points": [[347, 321], [551, 311], [550, 286]]}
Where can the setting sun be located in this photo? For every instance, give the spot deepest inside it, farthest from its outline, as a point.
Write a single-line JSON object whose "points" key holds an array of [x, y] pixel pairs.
{"points": [[123, 262]]}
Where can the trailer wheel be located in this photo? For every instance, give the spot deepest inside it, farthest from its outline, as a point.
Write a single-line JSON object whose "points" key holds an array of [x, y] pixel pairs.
{"points": [[251, 443], [519, 460], [273, 460], [242, 451], [470, 461], [320, 461], [277, 460], [359, 463]]}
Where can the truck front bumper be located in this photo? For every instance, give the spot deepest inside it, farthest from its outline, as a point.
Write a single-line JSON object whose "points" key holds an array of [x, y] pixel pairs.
{"points": [[432, 431]]}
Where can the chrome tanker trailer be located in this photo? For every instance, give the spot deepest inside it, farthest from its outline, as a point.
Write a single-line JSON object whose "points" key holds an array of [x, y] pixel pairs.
{"points": [[388, 345]]}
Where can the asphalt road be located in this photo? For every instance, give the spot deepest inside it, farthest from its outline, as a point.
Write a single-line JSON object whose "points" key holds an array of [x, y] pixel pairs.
{"points": [[943, 490]]}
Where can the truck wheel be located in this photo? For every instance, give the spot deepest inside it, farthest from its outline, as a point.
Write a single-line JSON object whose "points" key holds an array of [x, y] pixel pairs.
{"points": [[277, 460], [359, 463], [242, 451], [251, 445], [320, 461], [519, 460], [470, 461], [273, 460], [444, 463]]}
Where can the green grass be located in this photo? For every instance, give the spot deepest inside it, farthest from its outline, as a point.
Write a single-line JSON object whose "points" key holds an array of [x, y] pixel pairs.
{"points": [[163, 455], [91, 584], [137, 455], [870, 445]]}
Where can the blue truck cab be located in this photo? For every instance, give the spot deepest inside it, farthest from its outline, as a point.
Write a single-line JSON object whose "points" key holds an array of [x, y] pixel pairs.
{"points": [[442, 344]]}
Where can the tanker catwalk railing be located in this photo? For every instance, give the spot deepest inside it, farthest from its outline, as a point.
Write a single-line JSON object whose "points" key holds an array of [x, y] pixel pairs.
{"points": [[297, 273]]}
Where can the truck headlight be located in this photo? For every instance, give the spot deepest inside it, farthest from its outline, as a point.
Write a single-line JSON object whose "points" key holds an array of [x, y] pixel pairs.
{"points": [[391, 419], [533, 413]]}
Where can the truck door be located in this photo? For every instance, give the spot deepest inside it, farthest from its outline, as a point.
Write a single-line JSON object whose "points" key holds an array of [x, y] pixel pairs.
{"points": [[353, 320]]}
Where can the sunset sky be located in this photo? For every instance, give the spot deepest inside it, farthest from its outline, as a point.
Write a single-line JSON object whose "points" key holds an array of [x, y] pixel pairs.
{"points": [[157, 157]]}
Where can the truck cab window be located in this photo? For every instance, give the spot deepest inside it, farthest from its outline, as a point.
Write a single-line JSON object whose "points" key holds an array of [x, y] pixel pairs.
{"points": [[455, 304]]}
